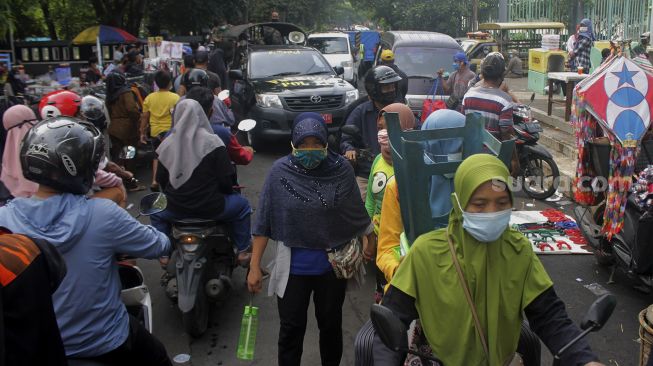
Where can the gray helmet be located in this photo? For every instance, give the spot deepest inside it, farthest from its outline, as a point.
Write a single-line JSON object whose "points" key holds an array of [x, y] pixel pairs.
{"points": [[493, 66], [62, 153], [378, 76], [92, 109]]}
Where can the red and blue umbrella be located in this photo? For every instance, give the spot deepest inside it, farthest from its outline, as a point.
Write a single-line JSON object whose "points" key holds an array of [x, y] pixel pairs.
{"points": [[105, 34]]}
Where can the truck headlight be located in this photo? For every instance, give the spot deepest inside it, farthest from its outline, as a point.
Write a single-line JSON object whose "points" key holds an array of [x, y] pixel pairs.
{"points": [[351, 96], [268, 101], [347, 64]]}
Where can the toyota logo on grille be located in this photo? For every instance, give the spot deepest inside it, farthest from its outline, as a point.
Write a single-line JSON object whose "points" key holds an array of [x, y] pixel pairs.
{"points": [[316, 99]]}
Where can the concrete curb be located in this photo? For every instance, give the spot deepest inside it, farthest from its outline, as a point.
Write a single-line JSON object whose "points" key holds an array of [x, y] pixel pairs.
{"points": [[558, 138]]}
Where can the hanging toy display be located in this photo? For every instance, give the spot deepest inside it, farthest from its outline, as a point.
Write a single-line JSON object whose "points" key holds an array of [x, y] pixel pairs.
{"points": [[618, 97]]}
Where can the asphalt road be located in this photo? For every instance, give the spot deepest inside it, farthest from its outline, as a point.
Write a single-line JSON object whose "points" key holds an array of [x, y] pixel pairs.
{"points": [[616, 344]]}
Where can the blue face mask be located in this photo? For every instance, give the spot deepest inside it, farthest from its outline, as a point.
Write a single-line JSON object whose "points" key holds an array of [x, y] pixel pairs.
{"points": [[456, 66], [486, 227], [309, 158]]}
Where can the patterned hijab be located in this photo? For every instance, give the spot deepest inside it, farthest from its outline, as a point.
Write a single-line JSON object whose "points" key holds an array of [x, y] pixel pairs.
{"points": [[317, 208]]}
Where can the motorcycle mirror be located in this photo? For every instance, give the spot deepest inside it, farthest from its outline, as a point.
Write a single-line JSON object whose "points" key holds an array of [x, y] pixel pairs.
{"points": [[153, 203], [127, 152], [246, 125], [389, 328], [599, 313], [225, 94], [236, 74], [351, 130]]}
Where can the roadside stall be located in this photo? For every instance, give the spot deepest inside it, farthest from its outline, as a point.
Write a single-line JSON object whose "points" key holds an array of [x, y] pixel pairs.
{"points": [[612, 117], [99, 35], [521, 36]]}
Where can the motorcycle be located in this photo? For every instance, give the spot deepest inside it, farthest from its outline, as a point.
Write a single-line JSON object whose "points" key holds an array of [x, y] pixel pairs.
{"points": [[538, 172], [631, 248], [393, 332], [199, 270]]}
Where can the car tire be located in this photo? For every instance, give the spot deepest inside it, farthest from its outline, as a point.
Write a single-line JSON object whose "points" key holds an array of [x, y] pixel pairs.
{"points": [[254, 140]]}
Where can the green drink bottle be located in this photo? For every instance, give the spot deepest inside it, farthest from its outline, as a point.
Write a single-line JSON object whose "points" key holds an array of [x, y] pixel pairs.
{"points": [[248, 327]]}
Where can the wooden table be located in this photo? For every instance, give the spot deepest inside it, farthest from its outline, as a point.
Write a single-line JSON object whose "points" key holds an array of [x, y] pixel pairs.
{"points": [[570, 78]]}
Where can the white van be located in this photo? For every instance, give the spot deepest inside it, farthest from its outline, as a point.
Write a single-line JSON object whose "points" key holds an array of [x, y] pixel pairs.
{"points": [[337, 50]]}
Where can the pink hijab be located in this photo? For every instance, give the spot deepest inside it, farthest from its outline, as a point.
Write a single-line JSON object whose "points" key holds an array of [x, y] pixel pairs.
{"points": [[17, 120]]}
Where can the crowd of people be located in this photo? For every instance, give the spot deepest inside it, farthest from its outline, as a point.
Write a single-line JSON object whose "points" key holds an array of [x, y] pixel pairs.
{"points": [[65, 183], [470, 282]]}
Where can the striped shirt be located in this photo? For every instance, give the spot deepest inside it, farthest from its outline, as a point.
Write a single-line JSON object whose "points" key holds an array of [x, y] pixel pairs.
{"points": [[493, 104]]}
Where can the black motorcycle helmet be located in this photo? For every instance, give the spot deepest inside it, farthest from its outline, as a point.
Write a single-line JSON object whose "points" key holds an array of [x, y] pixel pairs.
{"points": [[493, 66], [195, 77], [92, 109], [376, 78], [62, 153]]}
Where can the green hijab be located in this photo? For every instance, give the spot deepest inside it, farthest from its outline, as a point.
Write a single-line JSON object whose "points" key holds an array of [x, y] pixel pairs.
{"points": [[503, 277]]}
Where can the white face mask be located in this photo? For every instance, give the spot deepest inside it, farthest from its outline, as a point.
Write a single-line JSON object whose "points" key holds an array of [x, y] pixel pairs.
{"points": [[485, 227]]}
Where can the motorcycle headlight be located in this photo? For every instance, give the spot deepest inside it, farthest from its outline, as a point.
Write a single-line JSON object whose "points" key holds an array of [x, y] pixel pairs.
{"points": [[268, 101], [347, 64], [351, 96], [189, 243]]}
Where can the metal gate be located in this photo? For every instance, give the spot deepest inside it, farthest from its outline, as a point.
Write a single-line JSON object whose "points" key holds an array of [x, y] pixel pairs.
{"points": [[623, 18]]}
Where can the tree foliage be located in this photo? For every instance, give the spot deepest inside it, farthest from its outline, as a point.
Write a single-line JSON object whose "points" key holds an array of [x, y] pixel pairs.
{"points": [[65, 18]]}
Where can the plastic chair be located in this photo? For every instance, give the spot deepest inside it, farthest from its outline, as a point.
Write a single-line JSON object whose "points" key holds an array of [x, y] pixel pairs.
{"points": [[413, 174]]}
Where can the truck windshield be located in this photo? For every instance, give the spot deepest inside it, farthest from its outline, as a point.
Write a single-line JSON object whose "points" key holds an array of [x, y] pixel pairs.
{"points": [[468, 45], [423, 62], [273, 63], [329, 45]]}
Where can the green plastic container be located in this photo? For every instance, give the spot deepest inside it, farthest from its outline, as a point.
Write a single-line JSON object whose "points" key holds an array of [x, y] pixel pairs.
{"points": [[247, 339]]}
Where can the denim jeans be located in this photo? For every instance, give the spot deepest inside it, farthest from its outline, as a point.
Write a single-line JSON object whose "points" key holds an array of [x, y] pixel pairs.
{"points": [[236, 213]]}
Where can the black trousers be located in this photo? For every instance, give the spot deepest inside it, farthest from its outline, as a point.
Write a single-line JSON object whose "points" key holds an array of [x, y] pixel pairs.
{"points": [[328, 297], [140, 348]]}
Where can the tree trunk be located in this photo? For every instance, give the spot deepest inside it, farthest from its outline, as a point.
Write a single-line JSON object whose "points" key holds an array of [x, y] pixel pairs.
{"points": [[135, 16], [48, 19], [110, 12]]}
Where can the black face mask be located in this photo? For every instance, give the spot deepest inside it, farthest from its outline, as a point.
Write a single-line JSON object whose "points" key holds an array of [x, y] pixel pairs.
{"points": [[387, 98]]}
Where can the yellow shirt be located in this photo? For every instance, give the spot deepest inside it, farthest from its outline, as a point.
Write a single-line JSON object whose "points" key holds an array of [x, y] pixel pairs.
{"points": [[160, 105], [389, 231]]}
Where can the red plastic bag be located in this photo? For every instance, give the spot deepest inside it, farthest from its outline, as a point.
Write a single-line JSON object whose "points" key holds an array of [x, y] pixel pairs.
{"points": [[430, 104]]}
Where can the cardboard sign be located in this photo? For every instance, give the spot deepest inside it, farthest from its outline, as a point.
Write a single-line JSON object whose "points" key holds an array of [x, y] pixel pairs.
{"points": [[172, 50]]}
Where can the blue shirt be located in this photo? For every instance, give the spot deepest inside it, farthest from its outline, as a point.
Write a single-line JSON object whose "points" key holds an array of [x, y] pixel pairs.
{"points": [[309, 262], [88, 233]]}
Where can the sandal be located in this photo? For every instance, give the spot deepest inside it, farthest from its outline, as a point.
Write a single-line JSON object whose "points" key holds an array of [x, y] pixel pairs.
{"points": [[154, 187], [132, 185]]}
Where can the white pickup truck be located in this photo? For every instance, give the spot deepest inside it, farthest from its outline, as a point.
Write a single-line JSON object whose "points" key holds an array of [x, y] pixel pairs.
{"points": [[337, 50]]}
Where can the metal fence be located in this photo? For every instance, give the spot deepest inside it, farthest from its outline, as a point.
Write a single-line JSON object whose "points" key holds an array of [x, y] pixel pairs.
{"points": [[622, 18]]}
